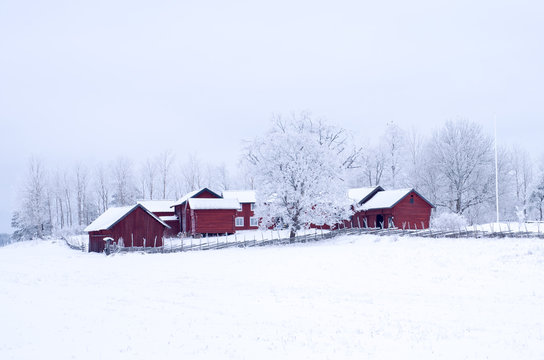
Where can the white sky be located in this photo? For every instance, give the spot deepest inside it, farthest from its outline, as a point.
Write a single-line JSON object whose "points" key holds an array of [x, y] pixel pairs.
{"points": [[93, 80]]}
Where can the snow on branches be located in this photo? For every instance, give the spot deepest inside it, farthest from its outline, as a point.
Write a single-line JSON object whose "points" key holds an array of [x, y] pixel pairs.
{"points": [[299, 169]]}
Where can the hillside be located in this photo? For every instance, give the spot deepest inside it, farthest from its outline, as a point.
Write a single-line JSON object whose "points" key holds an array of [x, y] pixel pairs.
{"points": [[350, 297]]}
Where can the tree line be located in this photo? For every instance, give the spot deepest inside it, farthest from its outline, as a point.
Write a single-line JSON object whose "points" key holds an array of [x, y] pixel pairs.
{"points": [[453, 167], [64, 200]]}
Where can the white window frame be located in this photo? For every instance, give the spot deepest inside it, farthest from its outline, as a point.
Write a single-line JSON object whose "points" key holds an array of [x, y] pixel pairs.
{"points": [[253, 221], [252, 206], [238, 223]]}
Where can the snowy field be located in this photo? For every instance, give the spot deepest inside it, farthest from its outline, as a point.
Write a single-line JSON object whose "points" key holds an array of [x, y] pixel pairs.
{"points": [[349, 297]]}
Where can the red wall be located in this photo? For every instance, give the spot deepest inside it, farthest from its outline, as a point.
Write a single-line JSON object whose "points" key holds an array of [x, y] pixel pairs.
{"points": [[246, 213], [412, 215], [138, 225], [416, 214], [212, 221]]}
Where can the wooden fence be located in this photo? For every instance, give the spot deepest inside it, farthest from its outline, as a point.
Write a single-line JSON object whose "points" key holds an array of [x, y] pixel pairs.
{"points": [[222, 242]]}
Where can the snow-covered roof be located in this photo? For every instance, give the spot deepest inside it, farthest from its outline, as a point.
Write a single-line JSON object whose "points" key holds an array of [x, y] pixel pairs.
{"points": [[113, 215], [217, 204], [358, 194], [243, 196], [385, 199], [156, 206], [169, 218], [190, 195]]}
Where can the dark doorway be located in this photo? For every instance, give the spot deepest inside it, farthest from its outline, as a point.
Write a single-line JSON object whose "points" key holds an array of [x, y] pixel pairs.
{"points": [[379, 221]]}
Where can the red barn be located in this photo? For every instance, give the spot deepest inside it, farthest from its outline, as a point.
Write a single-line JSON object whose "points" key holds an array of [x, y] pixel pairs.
{"points": [[164, 211], [403, 208], [211, 216], [135, 225], [205, 212], [245, 217]]}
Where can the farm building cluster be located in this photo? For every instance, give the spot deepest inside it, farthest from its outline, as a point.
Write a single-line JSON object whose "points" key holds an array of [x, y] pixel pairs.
{"points": [[205, 212]]}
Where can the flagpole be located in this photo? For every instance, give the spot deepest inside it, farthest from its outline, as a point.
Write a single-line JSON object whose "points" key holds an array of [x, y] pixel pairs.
{"points": [[496, 172]]}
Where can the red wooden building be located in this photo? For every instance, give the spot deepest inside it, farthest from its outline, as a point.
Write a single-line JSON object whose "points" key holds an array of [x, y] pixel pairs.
{"points": [[403, 208], [135, 225], [245, 217], [163, 210], [205, 212]]}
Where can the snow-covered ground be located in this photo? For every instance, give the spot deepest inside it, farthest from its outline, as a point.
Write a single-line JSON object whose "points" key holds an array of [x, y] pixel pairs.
{"points": [[349, 297], [240, 237]]}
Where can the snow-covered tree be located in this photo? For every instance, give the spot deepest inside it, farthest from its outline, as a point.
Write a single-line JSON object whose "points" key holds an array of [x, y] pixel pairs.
{"points": [[102, 189], [521, 168], [537, 197], [460, 163], [298, 168], [33, 220], [165, 161], [124, 190], [393, 146]]}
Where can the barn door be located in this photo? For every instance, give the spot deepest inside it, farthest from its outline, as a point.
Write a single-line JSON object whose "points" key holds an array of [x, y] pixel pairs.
{"points": [[379, 221]]}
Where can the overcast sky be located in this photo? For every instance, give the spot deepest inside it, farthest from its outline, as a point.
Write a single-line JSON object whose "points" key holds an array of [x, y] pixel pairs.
{"points": [[94, 80]]}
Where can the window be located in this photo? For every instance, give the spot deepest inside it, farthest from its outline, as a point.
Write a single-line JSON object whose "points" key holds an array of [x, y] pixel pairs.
{"points": [[412, 199], [252, 206], [239, 221], [253, 221]]}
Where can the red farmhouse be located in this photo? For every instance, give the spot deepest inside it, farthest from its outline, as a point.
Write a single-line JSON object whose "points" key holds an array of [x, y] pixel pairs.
{"points": [[245, 217], [403, 208], [135, 225], [205, 212]]}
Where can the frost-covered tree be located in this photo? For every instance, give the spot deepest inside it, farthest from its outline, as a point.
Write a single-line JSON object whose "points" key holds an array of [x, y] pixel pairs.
{"points": [[521, 168], [102, 188], [165, 161], [459, 166], [372, 167], [415, 143], [393, 146], [124, 190], [537, 197], [33, 220], [298, 168]]}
